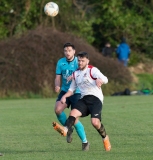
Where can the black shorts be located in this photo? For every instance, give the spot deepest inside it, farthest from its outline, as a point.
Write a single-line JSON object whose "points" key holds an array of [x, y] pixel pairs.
{"points": [[72, 100], [89, 105]]}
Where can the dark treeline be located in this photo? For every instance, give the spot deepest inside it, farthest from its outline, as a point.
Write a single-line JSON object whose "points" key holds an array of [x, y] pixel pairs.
{"points": [[97, 21], [27, 67]]}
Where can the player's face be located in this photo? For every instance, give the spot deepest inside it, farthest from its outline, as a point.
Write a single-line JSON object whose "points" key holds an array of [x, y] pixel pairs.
{"points": [[83, 62], [69, 53]]}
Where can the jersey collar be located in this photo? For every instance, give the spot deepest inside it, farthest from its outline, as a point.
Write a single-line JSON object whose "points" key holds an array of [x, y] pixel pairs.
{"points": [[71, 60]]}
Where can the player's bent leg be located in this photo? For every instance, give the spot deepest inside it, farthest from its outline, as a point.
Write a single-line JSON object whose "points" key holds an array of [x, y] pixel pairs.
{"points": [[61, 116], [101, 130], [106, 142], [59, 110]]}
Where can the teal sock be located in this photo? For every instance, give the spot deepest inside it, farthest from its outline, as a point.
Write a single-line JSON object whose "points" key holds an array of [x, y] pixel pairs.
{"points": [[81, 132], [62, 118]]}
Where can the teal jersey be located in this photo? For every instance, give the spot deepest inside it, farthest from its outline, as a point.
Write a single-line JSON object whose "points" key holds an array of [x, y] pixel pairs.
{"points": [[65, 69]]}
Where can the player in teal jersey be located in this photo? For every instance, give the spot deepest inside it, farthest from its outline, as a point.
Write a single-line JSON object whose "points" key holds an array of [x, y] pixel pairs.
{"points": [[64, 69]]}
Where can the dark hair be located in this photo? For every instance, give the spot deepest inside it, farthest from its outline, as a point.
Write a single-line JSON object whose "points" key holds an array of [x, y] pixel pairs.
{"points": [[69, 45], [83, 54]]}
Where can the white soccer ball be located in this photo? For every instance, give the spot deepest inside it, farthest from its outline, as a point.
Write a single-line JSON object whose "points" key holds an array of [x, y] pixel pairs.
{"points": [[51, 9]]}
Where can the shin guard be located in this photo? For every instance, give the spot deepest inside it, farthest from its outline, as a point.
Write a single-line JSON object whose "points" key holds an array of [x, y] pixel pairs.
{"points": [[102, 131]]}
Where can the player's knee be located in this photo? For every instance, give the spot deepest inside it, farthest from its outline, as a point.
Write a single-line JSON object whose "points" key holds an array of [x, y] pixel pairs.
{"points": [[95, 122], [58, 110], [75, 113]]}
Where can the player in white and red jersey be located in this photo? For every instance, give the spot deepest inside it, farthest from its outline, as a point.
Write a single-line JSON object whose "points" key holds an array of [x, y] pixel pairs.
{"points": [[88, 79], [85, 80]]}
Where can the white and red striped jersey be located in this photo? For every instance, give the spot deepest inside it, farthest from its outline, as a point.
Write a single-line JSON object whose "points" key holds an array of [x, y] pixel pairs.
{"points": [[85, 81]]}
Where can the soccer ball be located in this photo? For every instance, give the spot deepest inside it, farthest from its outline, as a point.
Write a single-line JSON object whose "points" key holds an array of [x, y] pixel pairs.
{"points": [[51, 9]]}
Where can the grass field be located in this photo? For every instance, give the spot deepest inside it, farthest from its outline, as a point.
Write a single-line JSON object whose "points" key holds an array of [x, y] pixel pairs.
{"points": [[26, 132]]}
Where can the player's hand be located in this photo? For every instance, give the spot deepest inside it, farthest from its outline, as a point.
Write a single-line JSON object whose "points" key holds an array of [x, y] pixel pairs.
{"points": [[69, 78], [99, 82], [57, 89], [63, 100]]}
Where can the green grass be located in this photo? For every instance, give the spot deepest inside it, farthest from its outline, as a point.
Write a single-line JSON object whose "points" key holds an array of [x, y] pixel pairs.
{"points": [[26, 132]]}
